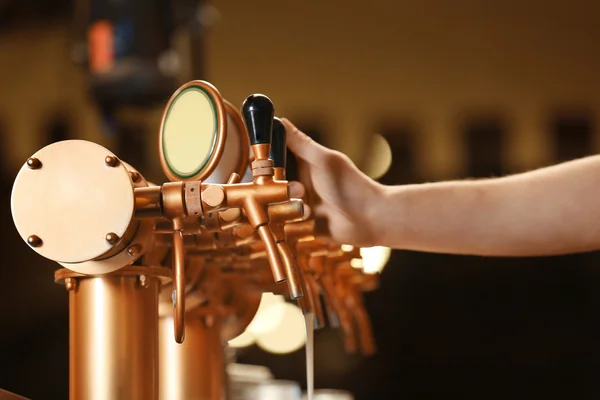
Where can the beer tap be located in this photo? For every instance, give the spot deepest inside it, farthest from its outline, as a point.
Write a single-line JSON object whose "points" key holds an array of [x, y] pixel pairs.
{"points": [[192, 198], [312, 302], [278, 155], [351, 284], [78, 204]]}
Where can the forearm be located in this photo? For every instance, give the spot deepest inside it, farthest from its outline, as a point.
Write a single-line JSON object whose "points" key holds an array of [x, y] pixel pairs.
{"points": [[554, 210]]}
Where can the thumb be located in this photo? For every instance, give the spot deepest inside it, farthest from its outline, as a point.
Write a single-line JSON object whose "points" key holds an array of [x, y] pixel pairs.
{"points": [[302, 145]]}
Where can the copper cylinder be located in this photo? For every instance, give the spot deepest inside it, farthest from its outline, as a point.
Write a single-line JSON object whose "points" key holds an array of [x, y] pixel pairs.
{"points": [[194, 369], [113, 326], [147, 202]]}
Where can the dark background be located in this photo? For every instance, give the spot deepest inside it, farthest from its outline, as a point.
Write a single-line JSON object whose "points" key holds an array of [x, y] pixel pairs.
{"points": [[467, 327]]}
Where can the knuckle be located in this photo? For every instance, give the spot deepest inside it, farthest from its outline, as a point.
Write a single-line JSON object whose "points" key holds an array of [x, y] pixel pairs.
{"points": [[334, 157]]}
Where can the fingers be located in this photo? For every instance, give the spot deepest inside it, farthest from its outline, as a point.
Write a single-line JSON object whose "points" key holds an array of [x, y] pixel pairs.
{"points": [[297, 190], [302, 145], [307, 212], [319, 211], [304, 176]]}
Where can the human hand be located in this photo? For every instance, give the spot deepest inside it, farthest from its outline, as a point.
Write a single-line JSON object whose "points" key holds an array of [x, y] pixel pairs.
{"points": [[339, 192]]}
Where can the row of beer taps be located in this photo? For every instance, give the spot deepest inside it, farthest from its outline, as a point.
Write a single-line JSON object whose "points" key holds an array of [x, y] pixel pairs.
{"points": [[226, 243]]}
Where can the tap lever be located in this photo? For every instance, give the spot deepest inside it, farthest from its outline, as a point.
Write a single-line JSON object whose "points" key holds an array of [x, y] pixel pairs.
{"points": [[278, 144], [258, 113], [178, 280]]}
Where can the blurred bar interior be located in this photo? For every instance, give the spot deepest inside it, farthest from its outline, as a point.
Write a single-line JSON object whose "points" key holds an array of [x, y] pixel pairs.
{"points": [[411, 91]]}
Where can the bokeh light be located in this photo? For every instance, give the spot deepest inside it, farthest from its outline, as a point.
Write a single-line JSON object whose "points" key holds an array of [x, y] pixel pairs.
{"points": [[290, 333], [375, 258], [263, 321], [379, 157], [244, 340], [266, 319]]}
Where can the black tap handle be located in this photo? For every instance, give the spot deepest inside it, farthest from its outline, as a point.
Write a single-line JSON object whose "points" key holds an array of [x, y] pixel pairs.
{"points": [[278, 144], [258, 115]]}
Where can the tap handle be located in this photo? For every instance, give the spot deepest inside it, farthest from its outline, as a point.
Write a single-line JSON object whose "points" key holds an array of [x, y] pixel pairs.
{"points": [[278, 144], [178, 293], [258, 113]]}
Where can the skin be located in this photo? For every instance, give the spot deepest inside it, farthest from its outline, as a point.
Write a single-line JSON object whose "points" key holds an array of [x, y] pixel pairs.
{"points": [[549, 211]]}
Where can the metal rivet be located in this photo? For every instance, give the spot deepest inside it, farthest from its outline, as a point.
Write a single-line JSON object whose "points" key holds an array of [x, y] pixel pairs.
{"points": [[34, 241], [135, 176], [70, 284], [213, 196], [34, 163], [111, 161], [112, 238], [144, 281], [134, 250]]}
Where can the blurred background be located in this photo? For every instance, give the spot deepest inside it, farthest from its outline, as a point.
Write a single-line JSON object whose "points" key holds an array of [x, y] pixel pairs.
{"points": [[412, 91]]}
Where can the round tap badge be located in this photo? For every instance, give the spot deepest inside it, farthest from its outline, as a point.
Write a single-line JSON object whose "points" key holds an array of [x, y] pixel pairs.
{"points": [[193, 132]]}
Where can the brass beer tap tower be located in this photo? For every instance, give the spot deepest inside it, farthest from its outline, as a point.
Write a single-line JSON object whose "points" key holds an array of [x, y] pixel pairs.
{"points": [[160, 277]]}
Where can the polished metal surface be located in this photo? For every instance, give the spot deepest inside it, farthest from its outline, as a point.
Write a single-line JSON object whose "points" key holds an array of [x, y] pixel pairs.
{"points": [[194, 255], [194, 369], [114, 338]]}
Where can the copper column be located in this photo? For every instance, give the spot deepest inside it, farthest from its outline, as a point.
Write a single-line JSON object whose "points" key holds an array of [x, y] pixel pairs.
{"points": [[194, 369], [114, 338]]}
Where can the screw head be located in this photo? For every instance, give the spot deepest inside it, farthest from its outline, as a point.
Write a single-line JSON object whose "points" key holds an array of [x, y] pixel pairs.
{"points": [[34, 163], [34, 241], [134, 250], [70, 284], [135, 176], [112, 238], [111, 161]]}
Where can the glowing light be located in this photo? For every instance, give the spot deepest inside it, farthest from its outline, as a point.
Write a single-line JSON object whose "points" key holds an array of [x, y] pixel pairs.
{"points": [[248, 372], [266, 319], [347, 248], [375, 258], [276, 390], [289, 335], [357, 263], [330, 394], [379, 158], [244, 340]]}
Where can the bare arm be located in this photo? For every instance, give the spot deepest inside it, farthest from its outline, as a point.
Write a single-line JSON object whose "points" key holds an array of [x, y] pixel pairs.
{"points": [[553, 210]]}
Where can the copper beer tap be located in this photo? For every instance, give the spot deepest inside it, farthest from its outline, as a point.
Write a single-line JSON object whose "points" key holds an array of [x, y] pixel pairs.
{"points": [[202, 247], [196, 199]]}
